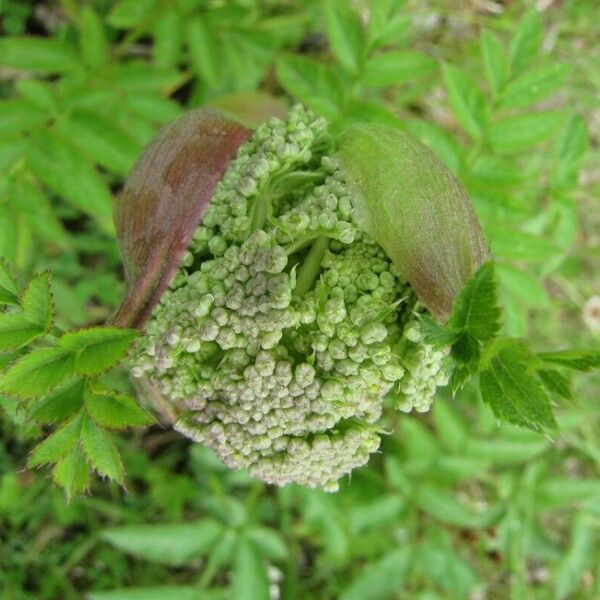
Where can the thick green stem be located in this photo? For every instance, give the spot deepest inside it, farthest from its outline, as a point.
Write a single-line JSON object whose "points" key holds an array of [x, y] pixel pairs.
{"points": [[311, 266], [261, 210]]}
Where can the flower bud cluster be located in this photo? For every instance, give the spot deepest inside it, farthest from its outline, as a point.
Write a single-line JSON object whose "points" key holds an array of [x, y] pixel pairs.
{"points": [[427, 369], [288, 384]]}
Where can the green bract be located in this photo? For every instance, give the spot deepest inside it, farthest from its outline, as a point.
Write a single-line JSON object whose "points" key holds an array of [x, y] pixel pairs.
{"points": [[287, 323]]}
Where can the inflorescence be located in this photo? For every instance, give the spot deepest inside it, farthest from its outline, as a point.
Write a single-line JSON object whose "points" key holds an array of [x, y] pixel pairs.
{"points": [[286, 325]]}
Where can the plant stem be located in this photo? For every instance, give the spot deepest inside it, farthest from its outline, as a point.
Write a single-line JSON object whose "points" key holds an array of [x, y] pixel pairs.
{"points": [[311, 266]]}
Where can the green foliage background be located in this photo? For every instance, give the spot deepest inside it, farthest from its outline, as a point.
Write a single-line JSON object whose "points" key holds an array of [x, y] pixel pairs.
{"points": [[508, 95]]}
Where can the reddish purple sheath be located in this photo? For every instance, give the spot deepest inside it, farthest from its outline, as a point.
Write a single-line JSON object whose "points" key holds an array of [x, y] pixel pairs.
{"points": [[163, 201]]}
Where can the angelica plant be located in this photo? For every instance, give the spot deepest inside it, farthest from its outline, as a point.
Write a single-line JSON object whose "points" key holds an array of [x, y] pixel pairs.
{"points": [[289, 283], [286, 323], [302, 299]]}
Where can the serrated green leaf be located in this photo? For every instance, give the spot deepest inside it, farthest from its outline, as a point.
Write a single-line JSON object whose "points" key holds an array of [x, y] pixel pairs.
{"points": [[467, 101], [171, 543], [17, 331], [526, 41], [513, 394], [43, 54], [116, 411], [8, 286], [37, 301], [494, 60], [250, 581], [476, 308], [100, 450], [59, 404], [98, 348], [392, 68], [436, 334], [345, 32], [556, 383], [533, 86], [580, 360], [458, 379], [36, 373], [57, 445], [93, 42], [72, 473], [513, 134], [466, 350]]}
